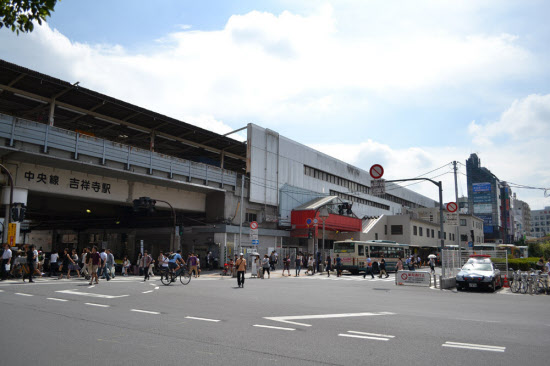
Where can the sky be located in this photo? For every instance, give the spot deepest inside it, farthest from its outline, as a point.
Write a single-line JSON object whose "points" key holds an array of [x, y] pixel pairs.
{"points": [[410, 85]]}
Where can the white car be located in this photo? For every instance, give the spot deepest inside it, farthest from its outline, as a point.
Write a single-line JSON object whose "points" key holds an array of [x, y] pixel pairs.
{"points": [[479, 272]]}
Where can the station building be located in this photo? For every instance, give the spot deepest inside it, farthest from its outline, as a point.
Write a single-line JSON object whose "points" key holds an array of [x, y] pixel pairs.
{"points": [[79, 159]]}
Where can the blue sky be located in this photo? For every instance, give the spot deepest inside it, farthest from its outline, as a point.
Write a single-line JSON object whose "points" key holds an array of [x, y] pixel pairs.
{"points": [[412, 84]]}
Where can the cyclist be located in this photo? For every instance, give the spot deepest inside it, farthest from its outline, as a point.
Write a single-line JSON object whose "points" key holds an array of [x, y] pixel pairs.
{"points": [[174, 262]]}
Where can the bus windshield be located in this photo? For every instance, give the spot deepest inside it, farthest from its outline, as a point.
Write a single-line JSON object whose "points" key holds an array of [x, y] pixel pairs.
{"points": [[344, 247]]}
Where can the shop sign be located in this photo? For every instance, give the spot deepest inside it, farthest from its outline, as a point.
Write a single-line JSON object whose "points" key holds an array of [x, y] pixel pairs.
{"points": [[481, 187], [483, 208]]}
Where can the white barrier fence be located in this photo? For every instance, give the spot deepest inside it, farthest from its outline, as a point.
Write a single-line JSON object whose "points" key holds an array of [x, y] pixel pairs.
{"points": [[414, 278]]}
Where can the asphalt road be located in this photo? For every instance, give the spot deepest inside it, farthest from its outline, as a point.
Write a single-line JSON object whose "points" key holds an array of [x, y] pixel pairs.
{"points": [[292, 321]]}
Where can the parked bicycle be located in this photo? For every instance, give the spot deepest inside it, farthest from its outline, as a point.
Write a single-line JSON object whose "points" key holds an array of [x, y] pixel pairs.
{"points": [[167, 276], [531, 282]]}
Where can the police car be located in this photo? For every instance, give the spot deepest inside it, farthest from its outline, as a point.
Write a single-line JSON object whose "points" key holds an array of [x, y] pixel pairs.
{"points": [[479, 272]]}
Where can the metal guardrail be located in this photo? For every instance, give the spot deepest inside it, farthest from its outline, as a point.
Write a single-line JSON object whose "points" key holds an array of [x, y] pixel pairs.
{"points": [[48, 137]]}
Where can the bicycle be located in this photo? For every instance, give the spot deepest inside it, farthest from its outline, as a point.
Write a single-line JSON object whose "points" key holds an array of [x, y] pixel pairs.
{"points": [[167, 276], [541, 283], [515, 283]]}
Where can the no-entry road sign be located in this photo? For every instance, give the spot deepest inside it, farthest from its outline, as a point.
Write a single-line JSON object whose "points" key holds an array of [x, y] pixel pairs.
{"points": [[452, 207], [376, 171], [253, 225]]}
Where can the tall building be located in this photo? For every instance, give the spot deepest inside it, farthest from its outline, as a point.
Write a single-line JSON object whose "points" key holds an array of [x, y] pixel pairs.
{"points": [[489, 199], [522, 218], [540, 222]]}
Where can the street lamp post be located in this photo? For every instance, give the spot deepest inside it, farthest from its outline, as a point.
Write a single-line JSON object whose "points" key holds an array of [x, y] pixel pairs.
{"points": [[323, 214]]}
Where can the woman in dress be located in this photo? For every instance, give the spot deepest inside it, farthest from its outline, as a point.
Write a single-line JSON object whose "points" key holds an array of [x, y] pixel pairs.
{"points": [[65, 261], [74, 264], [125, 265]]}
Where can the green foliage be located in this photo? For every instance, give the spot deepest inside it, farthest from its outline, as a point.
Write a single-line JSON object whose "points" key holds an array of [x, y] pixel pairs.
{"points": [[18, 15], [523, 264], [539, 250]]}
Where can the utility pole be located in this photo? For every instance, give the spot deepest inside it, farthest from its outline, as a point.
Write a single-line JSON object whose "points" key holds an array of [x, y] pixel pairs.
{"points": [[456, 197], [241, 221]]}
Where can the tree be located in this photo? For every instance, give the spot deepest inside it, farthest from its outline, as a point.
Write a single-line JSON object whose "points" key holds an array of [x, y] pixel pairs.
{"points": [[18, 15]]}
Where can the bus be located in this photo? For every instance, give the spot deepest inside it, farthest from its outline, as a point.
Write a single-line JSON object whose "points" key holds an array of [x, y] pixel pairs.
{"points": [[354, 253]]}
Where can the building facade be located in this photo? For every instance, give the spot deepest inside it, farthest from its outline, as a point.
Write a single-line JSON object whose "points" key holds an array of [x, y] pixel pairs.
{"points": [[490, 200], [540, 222], [522, 219]]}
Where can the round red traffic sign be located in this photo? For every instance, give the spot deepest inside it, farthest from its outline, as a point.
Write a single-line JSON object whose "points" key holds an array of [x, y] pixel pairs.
{"points": [[253, 225], [376, 171], [452, 207], [404, 276]]}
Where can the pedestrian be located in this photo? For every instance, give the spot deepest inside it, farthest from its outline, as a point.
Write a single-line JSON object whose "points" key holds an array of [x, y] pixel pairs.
{"points": [[304, 260], [410, 263], [319, 262], [432, 265], [286, 262], [41, 258], [103, 268], [327, 265], [37, 262], [369, 268], [298, 263], [65, 261], [338, 266], [110, 264], [139, 262], [209, 261], [383, 268], [84, 256], [53, 263], [73, 266], [310, 264], [6, 261], [266, 266], [418, 262], [126, 265], [192, 263], [198, 266], [272, 261], [241, 269], [146, 260], [400, 264], [94, 261], [30, 263]]}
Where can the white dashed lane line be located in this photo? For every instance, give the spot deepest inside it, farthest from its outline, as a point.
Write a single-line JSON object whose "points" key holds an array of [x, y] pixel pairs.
{"points": [[272, 327], [479, 347], [21, 294], [145, 311], [55, 299], [147, 292], [98, 305], [204, 319]]}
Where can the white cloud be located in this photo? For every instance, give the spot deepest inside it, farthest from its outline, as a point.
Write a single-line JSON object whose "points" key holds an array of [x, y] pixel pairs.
{"points": [[276, 69]]}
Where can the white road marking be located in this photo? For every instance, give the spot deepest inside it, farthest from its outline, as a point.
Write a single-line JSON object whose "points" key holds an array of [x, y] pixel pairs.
{"points": [[147, 292], [371, 334], [364, 337], [1, 290], [156, 288], [98, 305], [287, 319], [205, 319], [480, 347], [152, 284], [271, 327], [92, 286], [21, 294], [55, 299], [72, 292], [145, 311]]}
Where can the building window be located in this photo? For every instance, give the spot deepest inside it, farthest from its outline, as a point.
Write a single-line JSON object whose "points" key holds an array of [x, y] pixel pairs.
{"points": [[463, 237], [433, 233], [444, 236], [438, 234], [415, 230], [397, 229], [420, 231], [249, 217], [462, 222], [375, 236], [385, 229]]}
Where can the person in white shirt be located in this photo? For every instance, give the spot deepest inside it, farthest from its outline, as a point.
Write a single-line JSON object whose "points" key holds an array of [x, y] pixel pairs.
{"points": [[6, 261], [104, 271], [125, 266], [54, 257]]}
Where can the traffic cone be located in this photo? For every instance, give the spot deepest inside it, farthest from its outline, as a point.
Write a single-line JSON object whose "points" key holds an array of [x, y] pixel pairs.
{"points": [[506, 281]]}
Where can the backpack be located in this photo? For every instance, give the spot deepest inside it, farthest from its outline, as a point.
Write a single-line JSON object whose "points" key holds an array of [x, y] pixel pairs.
{"points": [[172, 256]]}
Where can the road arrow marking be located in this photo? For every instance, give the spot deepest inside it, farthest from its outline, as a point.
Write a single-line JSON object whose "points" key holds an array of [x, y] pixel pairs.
{"points": [[288, 319]]}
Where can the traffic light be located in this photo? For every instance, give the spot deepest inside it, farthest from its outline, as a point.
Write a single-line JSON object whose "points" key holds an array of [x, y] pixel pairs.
{"points": [[181, 230], [348, 210], [340, 209], [144, 203], [18, 212], [309, 234]]}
